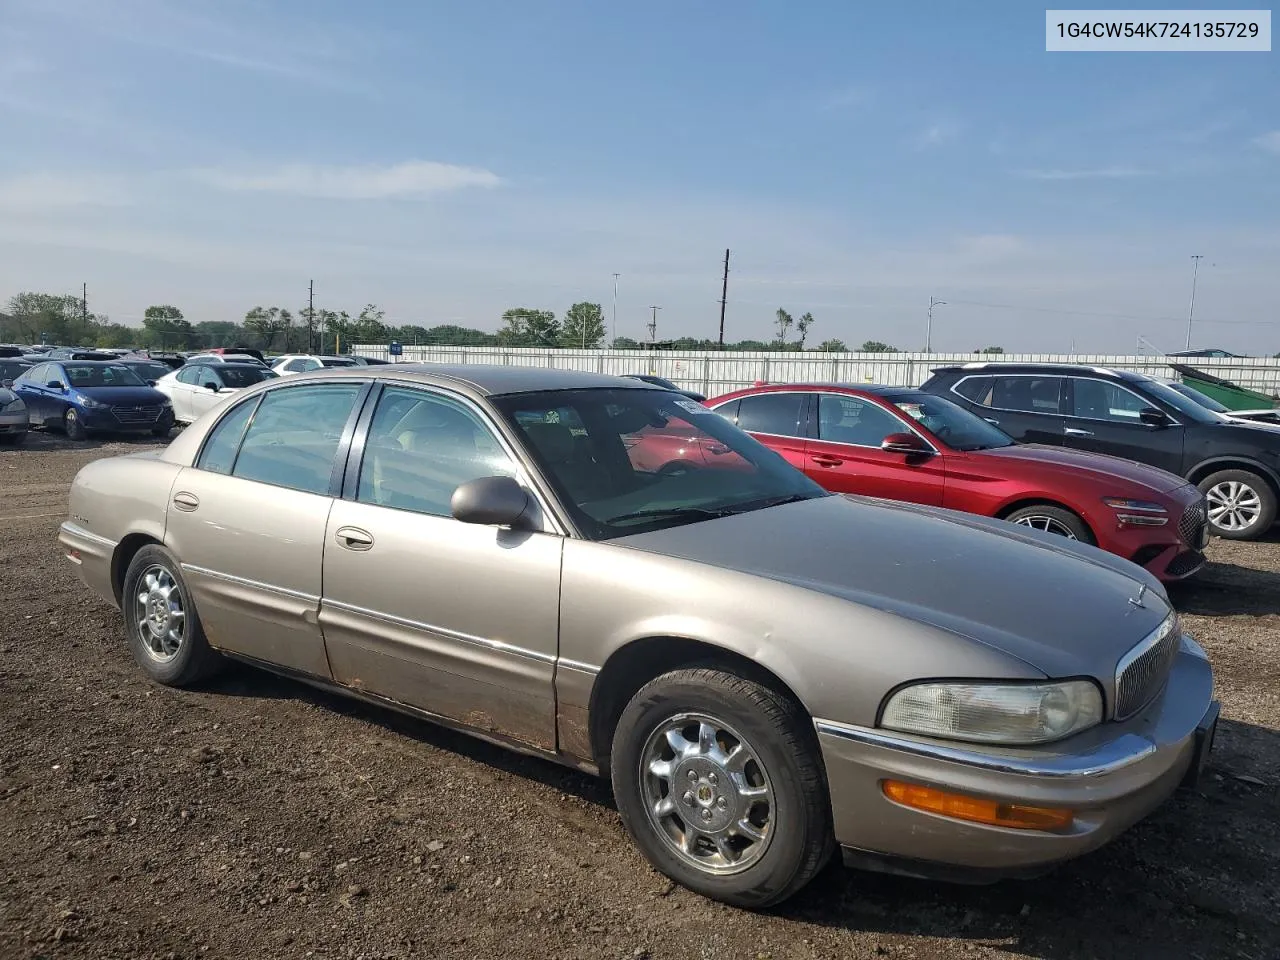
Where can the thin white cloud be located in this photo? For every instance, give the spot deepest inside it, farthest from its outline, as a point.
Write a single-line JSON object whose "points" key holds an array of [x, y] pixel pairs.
{"points": [[44, 191], [1269, 141], [937, 134], [1093, 173], [413, 180]]}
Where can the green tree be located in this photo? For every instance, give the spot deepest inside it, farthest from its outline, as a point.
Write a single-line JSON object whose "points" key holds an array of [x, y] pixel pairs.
{"points": [[338, 325], [60, 319], [455, 336], [219, 333], [802, 329], [990, 350], [369, 327], [267, 323], [164, 327], [784, 323], [833, 345], [583, 326], [875, 346], [625, 343], [526, 327], [116, 335]]}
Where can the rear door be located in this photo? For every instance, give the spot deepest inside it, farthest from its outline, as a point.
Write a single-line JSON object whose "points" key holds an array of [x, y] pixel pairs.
{"points": [[206, 391], [845, 456], [453, 618], [778, 419], [248, 520], [31, 388], [1103, 418], [1027, 406]]}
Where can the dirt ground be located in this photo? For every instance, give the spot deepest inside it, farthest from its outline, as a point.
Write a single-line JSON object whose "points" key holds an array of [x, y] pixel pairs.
{"points": [[258, 818]]}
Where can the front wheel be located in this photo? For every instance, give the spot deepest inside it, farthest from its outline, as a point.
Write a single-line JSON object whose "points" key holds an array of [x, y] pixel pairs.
{"points": [[1241, 504], [719, 781], [73, 426], [1050, 519], [161, 623]]}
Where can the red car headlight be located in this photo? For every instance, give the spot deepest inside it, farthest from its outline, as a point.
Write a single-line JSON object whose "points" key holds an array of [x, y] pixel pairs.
{"points": [[1137, 513]]}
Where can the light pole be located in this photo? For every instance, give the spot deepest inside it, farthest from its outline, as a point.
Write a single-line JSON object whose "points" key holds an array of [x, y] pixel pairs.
{"points": [[653, 325], [928, 330], [614, 335], [1195, 272]]}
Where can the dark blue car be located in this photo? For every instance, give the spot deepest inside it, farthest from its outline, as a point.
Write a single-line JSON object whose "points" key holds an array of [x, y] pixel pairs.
{"points": [[79, 396]]}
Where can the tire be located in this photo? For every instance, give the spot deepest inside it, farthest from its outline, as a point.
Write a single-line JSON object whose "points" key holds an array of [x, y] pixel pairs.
{"points": [[72, 426], [161, 432], [1057, 520], [173, 650], [784, 770], [1244, 503]]}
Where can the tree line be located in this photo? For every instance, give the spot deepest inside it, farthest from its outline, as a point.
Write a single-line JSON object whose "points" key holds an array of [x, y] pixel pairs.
{"points": [[40, 317]]}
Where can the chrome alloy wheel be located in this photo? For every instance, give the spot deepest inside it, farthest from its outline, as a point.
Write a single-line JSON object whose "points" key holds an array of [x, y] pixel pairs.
{"points": [[1233, 505], [707, 793], [159, 614], [1047, 524]]}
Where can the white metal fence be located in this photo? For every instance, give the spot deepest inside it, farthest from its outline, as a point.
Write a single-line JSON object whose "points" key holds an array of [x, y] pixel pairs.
{"points": [[715, 373]]}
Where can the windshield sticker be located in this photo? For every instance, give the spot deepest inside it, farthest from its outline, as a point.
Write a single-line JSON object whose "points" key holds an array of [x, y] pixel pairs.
{"points": [[913, 410], [692, 406]]}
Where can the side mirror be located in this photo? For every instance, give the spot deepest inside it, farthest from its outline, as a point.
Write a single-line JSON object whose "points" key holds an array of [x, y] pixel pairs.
{"points": [[1153, 417], [151, 383], [907, 443], [7, 384], [491, 501], [212, 386], [56, 385]]}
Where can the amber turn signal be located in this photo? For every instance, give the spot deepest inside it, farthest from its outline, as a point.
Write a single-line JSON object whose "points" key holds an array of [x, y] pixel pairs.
{"points": [[976, 809]]}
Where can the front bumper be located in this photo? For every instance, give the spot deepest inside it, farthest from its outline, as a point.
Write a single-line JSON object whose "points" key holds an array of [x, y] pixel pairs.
{"points": [[1111, 776], [108, 421], [13, 422]]}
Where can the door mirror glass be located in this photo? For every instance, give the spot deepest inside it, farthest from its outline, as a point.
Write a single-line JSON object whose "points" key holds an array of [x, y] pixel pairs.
{"points": [[1153, 417], [56, 385], [212, 386], [7, 384], [492, 501], [904, 443]]}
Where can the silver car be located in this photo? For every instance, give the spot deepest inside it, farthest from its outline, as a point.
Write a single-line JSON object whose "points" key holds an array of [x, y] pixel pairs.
{"points": [[14, 420], [768, 673]]}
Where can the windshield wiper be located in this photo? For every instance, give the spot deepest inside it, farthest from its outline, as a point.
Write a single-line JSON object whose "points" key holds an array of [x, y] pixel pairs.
{"points": [[670, 513], [767, 502]]}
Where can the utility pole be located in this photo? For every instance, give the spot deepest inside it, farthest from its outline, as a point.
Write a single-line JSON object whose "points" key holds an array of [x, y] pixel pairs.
{"points": [[1195, 272], [614, 335], [84, 302], [928, 330], [311, 316], [653, 325], [724, 295]]}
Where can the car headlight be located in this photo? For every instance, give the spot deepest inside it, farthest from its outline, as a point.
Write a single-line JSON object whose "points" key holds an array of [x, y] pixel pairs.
{"points": [[1006, 713], [1137, 513], [90, 404]]}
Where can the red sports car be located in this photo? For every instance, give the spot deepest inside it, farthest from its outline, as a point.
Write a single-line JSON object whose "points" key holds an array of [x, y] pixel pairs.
{"points": [[901, 444]]}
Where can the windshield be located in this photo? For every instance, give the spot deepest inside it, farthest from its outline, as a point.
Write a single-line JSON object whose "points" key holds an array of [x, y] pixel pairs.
{"points": [[628, 461], [956, 427], [245, 376], [1200, 398], [339, 363], [101, 375], [1184, 405]]}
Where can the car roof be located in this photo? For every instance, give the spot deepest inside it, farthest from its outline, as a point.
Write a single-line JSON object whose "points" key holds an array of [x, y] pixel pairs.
{"points": [[485, 379], [879, 389], [1082, 369]]}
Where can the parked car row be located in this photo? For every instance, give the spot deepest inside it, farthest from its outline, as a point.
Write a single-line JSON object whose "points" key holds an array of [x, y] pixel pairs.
{"points": [[608, 574]]}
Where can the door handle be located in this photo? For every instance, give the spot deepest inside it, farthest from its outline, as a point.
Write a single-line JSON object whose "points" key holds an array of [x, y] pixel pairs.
{"points": [[823, 460], [1073, 432], [186, 502], [353, 538], [992, 420]]}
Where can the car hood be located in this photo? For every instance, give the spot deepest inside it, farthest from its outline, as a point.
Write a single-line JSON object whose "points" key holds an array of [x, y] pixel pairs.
{"points": [[123, 396], [1100, 465], [1064, 608]]}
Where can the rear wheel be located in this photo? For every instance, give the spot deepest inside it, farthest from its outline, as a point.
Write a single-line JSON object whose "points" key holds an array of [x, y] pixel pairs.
{"points": [[160, 621], [1050, 519], [1241, 504], [73, 426], [719, 781]]}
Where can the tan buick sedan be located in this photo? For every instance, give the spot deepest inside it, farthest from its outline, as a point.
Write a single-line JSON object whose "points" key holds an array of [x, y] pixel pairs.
{"points": [[610, 575]]}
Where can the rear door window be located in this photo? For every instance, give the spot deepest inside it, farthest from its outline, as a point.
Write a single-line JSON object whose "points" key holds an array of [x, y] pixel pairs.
{"points": [[780, 414], [1026, 394], [294, 437]]}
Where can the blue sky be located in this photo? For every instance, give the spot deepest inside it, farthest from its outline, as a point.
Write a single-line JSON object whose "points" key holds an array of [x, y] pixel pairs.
{"points": [[449, 160]]}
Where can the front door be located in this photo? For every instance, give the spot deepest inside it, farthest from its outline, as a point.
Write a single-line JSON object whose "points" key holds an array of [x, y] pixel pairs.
{"points": [[846, 456], [456, 619], [247, 522], [1104, 418]]}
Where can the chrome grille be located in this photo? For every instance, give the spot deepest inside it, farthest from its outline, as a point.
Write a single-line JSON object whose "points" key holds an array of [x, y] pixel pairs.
{"points": [[148, 414], [1193, 528], [1143, 671]]}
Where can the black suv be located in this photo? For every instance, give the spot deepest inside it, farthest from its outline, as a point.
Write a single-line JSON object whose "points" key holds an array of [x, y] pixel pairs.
{"points": [[1133, 416]]}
